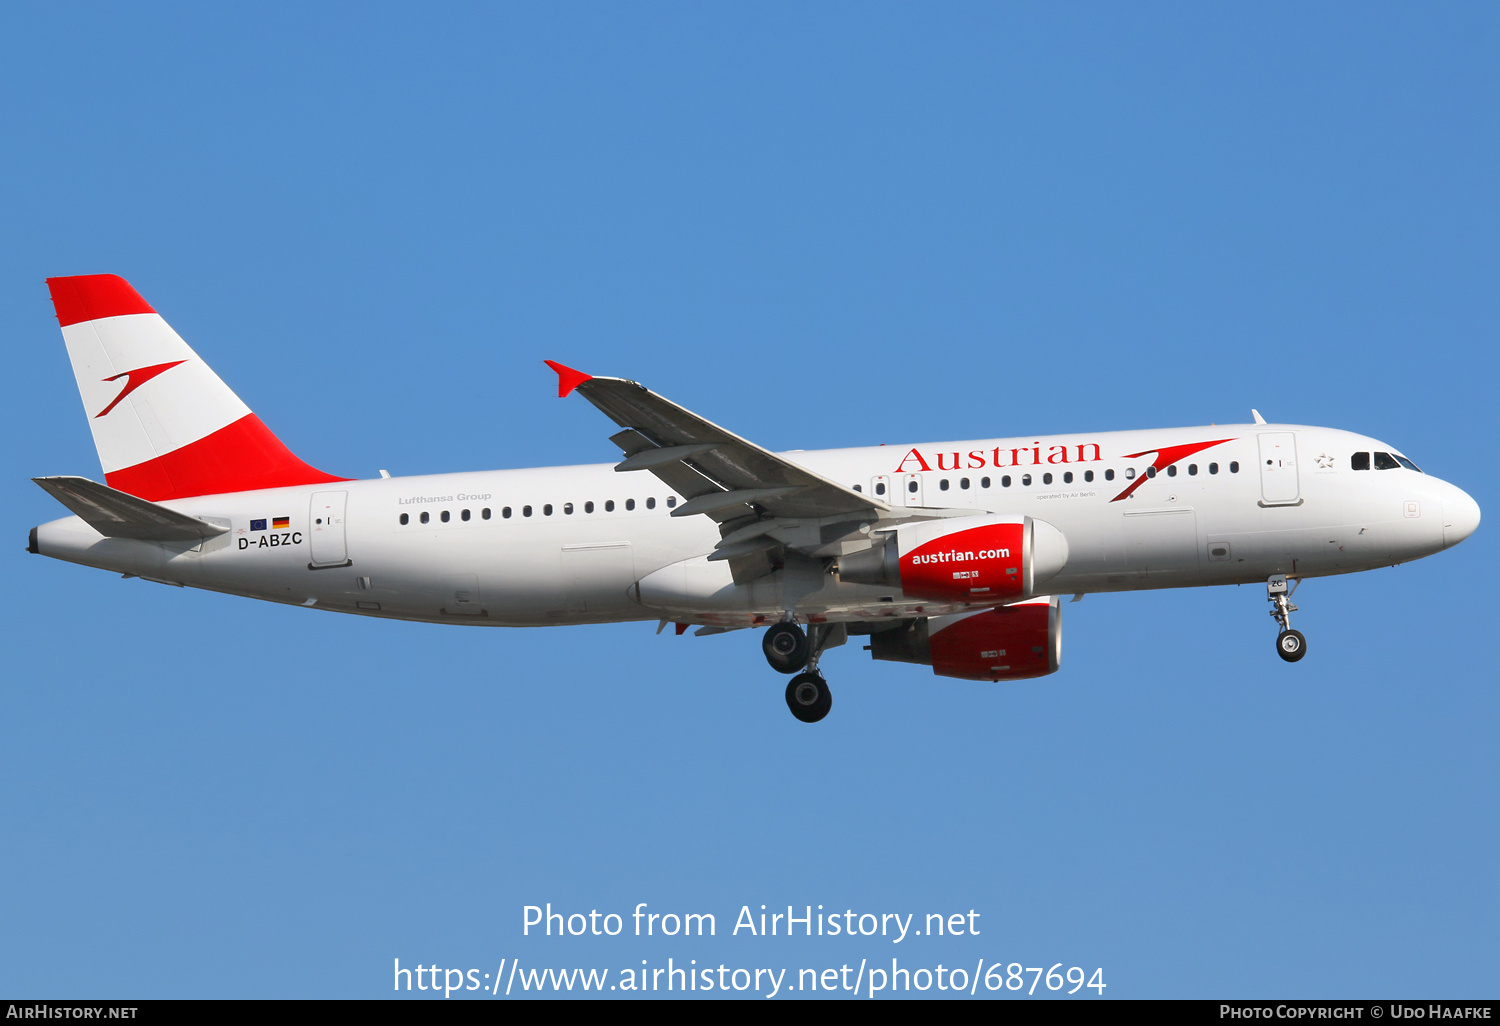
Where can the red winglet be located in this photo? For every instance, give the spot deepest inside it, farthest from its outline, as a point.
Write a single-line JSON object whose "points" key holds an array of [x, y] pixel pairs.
{"points": [[567, 378], [87, 297]]}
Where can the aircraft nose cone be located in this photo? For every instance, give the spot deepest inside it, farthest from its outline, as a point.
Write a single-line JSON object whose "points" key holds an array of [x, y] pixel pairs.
{"points": [[1460, 517]]}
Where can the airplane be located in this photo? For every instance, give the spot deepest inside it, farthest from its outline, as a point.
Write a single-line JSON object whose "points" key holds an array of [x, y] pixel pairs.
{"points": [[952, 555]]}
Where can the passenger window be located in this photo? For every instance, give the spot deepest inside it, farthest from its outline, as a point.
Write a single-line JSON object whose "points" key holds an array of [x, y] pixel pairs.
{"points": [[879, 487], [1172, 470], [1109, 475], [567, 509], [672, 499], [484, 514], [984, 482], [609, 505], [1359, 461], [1192, 470], [1068, 477], [425, 516], [1088, 475], [1005, 481], [963, 482], [405, 518], [911, 486], [1213, 468], [651, 503], [1130, 473], [1383, 461], [505, 512], [943, 485], [525, 511], [630, 504], [547, 510], [1046, 479], [1234, 467], [857, 488], [464, 515], [588, 507], [1026, 479], [445, 516]]}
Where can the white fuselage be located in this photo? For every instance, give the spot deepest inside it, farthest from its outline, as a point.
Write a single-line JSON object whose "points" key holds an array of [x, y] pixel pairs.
{"points": [[585, 544]]}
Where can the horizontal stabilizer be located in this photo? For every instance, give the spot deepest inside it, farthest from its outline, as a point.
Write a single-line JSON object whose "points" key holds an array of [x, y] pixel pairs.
{"points": [[117, 514]]}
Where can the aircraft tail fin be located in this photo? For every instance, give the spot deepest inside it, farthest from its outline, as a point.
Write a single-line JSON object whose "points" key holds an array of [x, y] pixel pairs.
{"points": [[165, 425]]}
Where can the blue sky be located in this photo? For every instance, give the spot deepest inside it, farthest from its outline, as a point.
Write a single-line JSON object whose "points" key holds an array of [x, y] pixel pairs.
{"points": [[826, 225]]}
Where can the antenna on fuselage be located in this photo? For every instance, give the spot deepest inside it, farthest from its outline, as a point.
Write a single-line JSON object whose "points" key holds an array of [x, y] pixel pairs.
{"points": [[1258, 418]]}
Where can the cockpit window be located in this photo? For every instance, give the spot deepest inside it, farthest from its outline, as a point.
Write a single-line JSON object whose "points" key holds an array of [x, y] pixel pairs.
{"points": [[1408, 464], [1385, 461], [1359, 461]]}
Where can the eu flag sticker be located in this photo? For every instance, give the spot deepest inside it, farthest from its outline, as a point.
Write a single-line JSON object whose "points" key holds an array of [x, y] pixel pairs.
{"points": [[257, 525], [277, 523]]}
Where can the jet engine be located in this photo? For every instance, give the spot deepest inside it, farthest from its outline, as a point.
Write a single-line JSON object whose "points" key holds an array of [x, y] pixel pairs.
{"points": [[986, 559], [1010, 643]]}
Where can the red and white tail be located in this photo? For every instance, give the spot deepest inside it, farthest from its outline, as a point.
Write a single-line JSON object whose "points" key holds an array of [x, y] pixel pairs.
{"points": [[164, 423]]}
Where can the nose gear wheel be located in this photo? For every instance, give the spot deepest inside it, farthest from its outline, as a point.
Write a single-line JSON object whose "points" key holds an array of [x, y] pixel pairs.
{"points": [[1290, 644]]}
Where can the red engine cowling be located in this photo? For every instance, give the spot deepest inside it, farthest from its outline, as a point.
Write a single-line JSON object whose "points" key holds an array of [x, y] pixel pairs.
{"points": [[1010, 643], [985, 559]]}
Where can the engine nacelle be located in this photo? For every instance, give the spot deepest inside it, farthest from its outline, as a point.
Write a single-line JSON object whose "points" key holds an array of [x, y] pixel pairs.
{"points": [[1009, 643], [987, 559]]}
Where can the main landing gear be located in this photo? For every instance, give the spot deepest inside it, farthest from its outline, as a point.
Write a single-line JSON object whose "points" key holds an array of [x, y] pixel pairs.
{"points": [[789, 649], [1290, 644], [786, 647], [808, 697]]}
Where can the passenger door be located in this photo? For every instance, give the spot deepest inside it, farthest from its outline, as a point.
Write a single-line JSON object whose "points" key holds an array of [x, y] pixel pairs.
{"points": [[1278, 469], [325, 530]]}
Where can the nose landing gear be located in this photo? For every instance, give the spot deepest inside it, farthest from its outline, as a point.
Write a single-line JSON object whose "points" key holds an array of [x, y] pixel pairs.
{"points": [[1290, 644]]}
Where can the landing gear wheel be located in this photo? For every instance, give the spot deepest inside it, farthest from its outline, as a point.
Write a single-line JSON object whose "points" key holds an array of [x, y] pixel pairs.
{"points": [[1291, 645], [786, 647], [808, 697]]}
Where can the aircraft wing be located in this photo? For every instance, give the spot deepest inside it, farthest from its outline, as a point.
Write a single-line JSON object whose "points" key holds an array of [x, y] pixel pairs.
{"points": [[720, 474], [117, 514]]}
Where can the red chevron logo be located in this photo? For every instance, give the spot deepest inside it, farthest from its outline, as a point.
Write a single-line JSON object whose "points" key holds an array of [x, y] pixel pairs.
{"points": [[134, 379], [1165, 457]]}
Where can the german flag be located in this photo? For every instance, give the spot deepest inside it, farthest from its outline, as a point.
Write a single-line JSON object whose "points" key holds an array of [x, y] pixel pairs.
{"points": [[277, 523]]}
